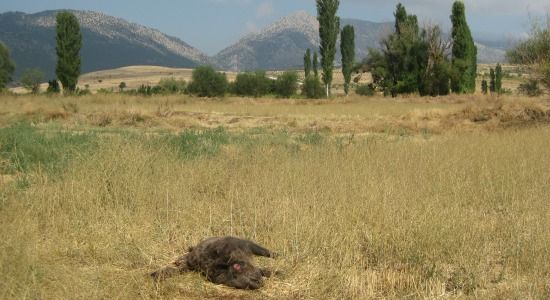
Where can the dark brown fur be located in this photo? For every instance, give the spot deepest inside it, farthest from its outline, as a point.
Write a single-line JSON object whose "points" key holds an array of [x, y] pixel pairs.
{"points": [[223, 260]]}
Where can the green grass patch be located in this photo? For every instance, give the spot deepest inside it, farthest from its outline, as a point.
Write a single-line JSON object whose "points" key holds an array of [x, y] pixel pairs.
{"points": [[24, 148], [194, 143]]}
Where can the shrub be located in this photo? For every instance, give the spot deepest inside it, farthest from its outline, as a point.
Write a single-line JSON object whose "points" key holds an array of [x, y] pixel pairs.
{"points": [[105, 91], [484, 87], [172, 85], [144, 90], [312, 88], [31, 80], [53, 87], [365, 90], [252, 84], [208, 83], [82, 92], [286, 84], [530, 88]]}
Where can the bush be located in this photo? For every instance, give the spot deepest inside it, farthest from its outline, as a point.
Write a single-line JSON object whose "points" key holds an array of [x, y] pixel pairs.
{"points": [[145, 90], [82, 92], [286, 84], [172, 85], [105, 91], [365, 90], [252, 84], [53, 87], [31, 80], [312, 88], [208, 83], [530, 88]]}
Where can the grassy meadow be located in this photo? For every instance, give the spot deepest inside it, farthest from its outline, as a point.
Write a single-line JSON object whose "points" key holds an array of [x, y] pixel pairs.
{"points": [[362, 198]]}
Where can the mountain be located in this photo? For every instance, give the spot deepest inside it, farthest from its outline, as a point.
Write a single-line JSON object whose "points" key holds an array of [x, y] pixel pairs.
{"points": [[283, 44], [488, 55], [108, 42], [279, 46]]}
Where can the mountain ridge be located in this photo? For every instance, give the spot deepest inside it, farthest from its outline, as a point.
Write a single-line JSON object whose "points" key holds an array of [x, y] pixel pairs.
{"points": [[282, 44], [108, 42], [112, 42]]}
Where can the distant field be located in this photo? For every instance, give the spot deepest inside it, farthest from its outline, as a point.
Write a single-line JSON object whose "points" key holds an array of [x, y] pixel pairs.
{"points": [[363, 198]]}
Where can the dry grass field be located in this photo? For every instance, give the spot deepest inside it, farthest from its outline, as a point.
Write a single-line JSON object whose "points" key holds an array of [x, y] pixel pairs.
{"points": [[363, 198]]}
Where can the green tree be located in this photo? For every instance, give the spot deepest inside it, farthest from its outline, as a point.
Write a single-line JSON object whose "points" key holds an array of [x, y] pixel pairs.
{"points": [[498, 79], [307, 63], [535, 53], [329, 27], [171, 85], [347, 48], [208, 83], [69, 42], [464, 53], [376, 64], [312, 88], [411, 60], [286, 84], [435, 78], [401, 17], [122, 86], [31, 80], [484, 87], [315, 64], [252, 84], [492, 81], [405, 55], [7, 67]]}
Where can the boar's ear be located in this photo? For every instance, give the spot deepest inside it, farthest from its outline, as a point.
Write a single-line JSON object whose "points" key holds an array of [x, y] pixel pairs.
{"points": [[259, 250]]}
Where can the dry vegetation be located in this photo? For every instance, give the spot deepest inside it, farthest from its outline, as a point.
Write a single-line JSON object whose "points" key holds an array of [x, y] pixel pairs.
{"points": [[380, 198]]}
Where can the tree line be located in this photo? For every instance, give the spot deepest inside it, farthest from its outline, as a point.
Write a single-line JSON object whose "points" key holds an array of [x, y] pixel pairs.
{"points": [[411, 60]]}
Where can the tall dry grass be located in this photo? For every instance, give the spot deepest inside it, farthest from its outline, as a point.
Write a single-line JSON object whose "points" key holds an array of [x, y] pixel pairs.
{"points": [[457, 216]]}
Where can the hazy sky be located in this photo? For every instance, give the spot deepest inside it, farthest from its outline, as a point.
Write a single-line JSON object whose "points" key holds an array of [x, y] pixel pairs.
{"points": [[211, 25]]}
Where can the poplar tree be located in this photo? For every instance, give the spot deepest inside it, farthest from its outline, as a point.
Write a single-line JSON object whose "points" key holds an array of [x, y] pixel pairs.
{"points": [[7, 67], [498, 79], [484, 87], [492, 81], [329, 27], [464, 53], [307, 63], [69, 42], [347, 48], [315, 64]]}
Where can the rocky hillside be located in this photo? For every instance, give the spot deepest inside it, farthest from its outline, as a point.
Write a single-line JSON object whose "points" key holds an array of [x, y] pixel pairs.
{"points": [[111, 42], [282, 45], [108, 42]]}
